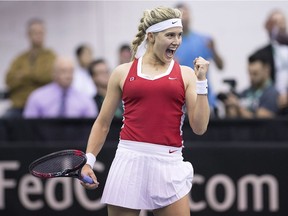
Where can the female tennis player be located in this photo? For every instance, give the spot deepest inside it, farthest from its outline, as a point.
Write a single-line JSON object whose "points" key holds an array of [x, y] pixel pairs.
{"points": [[148, 171]]}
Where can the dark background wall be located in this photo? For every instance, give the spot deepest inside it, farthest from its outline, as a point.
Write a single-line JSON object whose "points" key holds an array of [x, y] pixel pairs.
{"points": [[240, 168]]}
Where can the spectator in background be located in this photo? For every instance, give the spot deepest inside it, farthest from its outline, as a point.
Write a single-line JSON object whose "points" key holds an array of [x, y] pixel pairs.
{"points": [[30, 70], [194, 45], [58, 99], [99, 71], [277, 51], [125, 54], [260, 99], [82, 80]]}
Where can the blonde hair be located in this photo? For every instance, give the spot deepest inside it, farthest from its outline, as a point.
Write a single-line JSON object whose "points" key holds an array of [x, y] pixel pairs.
{"points": [[151, 17]]}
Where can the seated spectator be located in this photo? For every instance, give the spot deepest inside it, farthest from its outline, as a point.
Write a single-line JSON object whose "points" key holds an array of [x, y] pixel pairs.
{"points": [[125, 54], [82, 80], [260, 99], [58, 99], [30, 70], [99, 71]]}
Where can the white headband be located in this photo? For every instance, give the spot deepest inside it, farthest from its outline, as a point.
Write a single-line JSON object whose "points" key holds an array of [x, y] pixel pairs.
{"points": [[170, 23]]}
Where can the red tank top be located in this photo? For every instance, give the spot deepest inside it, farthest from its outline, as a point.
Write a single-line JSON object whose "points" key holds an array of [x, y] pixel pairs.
{"points": [[154, 109]]}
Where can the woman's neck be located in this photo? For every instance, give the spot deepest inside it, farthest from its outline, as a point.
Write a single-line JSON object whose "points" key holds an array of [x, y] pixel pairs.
{"points": [[152, 68], [152, 60]]}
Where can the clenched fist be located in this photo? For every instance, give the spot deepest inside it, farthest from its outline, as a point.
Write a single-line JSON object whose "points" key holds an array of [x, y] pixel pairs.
{"points": [[201, 67]]}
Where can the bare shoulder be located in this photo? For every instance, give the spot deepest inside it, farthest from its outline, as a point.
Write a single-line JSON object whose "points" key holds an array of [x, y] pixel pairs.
{"points": [[186, 69], [120, 73], [123, 69], [188, 74]]}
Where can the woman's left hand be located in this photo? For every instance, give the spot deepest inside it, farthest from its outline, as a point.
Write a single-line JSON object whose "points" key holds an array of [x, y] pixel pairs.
{"points": [[201, 67]]}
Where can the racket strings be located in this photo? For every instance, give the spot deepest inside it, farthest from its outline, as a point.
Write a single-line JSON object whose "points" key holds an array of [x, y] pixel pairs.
{"points": [[58, 164]]}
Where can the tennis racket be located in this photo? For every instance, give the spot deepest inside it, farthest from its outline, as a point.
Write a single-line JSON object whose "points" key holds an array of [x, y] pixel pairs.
{"points": [[65, 163]]}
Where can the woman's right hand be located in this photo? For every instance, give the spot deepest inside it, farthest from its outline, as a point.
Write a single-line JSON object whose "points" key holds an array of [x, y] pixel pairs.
{"points": [[88, 171]]}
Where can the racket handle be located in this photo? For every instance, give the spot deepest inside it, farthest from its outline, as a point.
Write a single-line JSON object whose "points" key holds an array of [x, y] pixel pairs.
{"points": [[87, 179]]}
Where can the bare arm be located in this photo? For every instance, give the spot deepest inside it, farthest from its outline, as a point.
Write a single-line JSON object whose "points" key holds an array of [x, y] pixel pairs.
{"points": [[197, 105], [260, 113], [101, 125], [234, 109]]}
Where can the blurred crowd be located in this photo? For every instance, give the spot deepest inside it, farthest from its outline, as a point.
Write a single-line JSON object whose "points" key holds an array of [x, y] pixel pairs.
{"points": [[267, 67], [41, 84]]}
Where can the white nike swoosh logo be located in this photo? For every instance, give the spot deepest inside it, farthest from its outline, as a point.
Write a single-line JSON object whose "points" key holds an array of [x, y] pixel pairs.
{"points": [[172, 78]]}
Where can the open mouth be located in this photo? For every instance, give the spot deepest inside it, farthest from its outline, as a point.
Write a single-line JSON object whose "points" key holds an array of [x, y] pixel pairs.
{"points": [[170, 53]]}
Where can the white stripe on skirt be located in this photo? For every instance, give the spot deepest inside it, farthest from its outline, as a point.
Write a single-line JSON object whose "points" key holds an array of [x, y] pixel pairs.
{"points": [[147, 176]]}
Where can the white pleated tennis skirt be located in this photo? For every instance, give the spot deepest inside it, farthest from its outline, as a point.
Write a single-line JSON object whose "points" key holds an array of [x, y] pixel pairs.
{"points": [[147, 176]]}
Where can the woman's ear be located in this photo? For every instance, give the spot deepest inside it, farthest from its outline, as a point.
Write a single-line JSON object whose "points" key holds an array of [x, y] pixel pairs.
{"points": [[151, 37]]}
